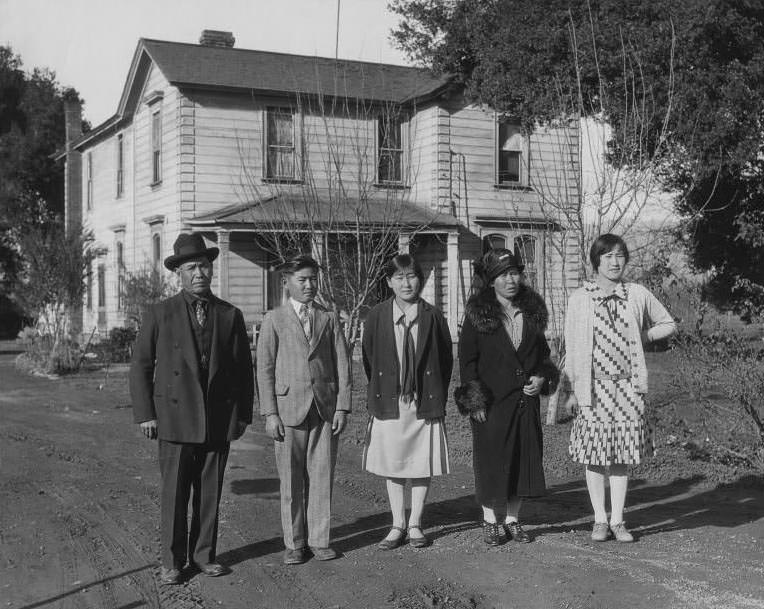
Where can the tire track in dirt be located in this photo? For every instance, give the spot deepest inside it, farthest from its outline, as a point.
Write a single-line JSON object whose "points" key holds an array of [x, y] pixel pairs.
{"points": [[111, 551]]}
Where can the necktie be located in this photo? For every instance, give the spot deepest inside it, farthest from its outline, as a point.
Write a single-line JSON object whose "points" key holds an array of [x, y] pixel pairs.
{"points": [[201, 312], [408, 383], [610, 302], [307, 324]]}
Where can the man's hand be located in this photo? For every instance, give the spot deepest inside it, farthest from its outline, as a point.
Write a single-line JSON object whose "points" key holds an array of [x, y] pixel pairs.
{"points": [[534, 385], [478, 415], [274, 427], [241, 427], [149, 429], [339, 422]]}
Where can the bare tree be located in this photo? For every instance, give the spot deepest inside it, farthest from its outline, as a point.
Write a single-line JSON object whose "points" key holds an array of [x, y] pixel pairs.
{"points": [[52, 287], [615, 185], [350, 209]]}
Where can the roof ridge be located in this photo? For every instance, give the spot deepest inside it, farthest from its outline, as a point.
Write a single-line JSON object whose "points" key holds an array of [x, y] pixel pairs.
{"points": [[285, 54]]}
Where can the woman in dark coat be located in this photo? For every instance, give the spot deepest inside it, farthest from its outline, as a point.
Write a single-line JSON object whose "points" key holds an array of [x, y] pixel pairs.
{"points": [[504, 363], [407, 357]]}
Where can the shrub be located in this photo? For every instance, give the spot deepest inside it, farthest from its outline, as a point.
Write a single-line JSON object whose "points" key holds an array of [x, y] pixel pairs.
{"points": [[725, 362], [120, 344]]}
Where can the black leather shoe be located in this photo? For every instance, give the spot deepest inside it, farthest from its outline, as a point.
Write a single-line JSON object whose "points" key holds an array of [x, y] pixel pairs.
{"points": [[492, 534], [212, 569], [418, 542], [297, 556], [327, 553], [169, 576], [395, 542], [514, 530]]}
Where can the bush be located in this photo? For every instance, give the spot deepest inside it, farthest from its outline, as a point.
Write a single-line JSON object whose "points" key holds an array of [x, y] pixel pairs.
{"points": [[120, 344], [724, 362], [43, 354]]}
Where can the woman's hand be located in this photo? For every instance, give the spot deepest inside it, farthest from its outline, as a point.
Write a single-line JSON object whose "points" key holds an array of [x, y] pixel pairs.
{"points": [[478, 415], [534, 385], [572, 404]]}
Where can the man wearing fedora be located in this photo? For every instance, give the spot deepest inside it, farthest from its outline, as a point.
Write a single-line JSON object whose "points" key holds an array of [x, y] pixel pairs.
{"points": [[192, 388]]}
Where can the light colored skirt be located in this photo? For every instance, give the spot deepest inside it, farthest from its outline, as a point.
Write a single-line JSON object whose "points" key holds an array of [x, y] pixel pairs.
{"points": [[406, 447]]}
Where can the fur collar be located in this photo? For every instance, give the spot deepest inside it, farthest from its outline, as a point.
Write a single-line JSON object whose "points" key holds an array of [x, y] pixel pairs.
{"points": [[485, 312]]}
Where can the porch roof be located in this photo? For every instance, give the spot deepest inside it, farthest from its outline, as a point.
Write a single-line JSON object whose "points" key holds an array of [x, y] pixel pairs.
{"points": [[273, 213]]}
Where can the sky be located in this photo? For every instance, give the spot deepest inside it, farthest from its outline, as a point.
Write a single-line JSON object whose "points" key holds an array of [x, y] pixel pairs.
{"points": [[90, 43]]}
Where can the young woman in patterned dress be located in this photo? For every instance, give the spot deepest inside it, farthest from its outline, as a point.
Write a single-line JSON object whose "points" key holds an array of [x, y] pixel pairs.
{"points": [[606, 323]]}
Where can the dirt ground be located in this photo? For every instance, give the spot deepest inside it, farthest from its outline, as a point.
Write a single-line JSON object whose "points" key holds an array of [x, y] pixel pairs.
{"points": [[79, 516]]}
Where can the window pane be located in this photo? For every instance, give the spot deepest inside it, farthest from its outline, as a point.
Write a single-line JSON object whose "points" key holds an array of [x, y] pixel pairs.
{"points": [[101, 285], [280, 132], [525, 245], [156, 143], [280, 163], [156, 243], [494, 242], [120, 164], [280, 160], [390, 166], [510, 137], [389, 132], [509, 166]]}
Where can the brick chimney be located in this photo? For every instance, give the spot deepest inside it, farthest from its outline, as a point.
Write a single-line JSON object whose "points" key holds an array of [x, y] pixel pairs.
{"points": [[72, 167], [217, 38]]}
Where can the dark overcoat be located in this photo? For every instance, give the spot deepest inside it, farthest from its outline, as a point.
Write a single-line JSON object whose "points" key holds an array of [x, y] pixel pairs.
{"points": [[165, 377], [433, 362], [507, 447]]}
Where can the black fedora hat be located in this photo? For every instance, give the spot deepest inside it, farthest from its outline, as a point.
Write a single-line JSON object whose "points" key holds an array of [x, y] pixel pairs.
{"points": [[188, 246]]}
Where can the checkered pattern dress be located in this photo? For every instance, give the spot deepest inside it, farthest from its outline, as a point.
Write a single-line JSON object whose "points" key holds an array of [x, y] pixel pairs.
{"points": [[615, 428]]}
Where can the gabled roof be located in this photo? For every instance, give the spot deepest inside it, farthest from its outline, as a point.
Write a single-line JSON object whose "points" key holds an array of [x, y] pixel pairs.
{"points": [[194, 65], [198, 66], [272, 212]]}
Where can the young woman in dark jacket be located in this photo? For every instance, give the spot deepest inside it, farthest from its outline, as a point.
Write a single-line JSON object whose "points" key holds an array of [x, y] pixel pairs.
{"points": [[407, 356], [504, 364]]}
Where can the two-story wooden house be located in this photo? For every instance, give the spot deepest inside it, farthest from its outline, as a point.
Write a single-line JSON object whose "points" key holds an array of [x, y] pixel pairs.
{"points": [[241, 144]]}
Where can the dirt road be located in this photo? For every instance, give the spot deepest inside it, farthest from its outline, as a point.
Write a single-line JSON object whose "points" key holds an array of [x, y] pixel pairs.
{"points": [[78, 528]]}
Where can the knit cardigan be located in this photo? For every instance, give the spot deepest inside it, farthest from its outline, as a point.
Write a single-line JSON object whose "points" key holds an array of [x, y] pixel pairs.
{"points": [[647, 319]]}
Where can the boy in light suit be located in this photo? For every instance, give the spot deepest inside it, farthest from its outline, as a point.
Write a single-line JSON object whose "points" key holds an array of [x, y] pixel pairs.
{"points": [[303, 379]]}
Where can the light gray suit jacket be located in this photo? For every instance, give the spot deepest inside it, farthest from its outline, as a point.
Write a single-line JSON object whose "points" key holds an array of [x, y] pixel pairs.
{"points": [[292, 373]]}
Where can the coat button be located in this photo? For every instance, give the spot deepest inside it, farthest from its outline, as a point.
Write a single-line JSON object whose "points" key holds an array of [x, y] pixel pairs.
{"points": [[379, 395], [430, 396], [380, 374], [428, 372]]}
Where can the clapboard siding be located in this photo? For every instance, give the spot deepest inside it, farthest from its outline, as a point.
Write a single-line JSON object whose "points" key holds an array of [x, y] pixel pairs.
{"points": [[213, 151], [247, 278]]}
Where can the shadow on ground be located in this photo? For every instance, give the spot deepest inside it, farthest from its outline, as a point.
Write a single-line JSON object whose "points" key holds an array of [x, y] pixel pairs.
{"points": [[657, 509]]}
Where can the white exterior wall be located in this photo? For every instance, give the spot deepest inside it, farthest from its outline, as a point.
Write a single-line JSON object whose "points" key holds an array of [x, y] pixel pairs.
{"points": [[212, 157]]}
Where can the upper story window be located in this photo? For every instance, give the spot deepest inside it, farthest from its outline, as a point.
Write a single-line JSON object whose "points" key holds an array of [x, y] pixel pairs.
{"points": [[282, 160], [511, 155], [89, 180], [156, 145], [120, 165], [390, 153]]}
